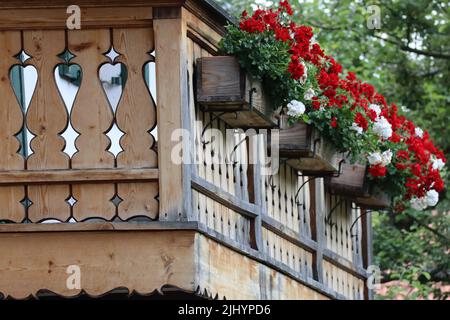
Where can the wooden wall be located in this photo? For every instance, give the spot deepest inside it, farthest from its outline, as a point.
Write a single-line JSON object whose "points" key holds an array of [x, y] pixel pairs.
{"points": [[284, 234], [285, 216]]}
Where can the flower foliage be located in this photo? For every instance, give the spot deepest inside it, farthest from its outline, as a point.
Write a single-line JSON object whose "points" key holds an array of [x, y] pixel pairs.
{"points": [[351, 113]]}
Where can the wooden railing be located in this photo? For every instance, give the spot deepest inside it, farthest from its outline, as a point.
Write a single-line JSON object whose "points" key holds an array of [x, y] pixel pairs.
{"points": [[286, 221], [93, 182]]}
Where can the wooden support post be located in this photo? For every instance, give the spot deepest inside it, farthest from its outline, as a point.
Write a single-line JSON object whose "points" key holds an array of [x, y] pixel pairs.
{"points": [[172, 112], [254, 158], [366, 247], [317, 214]]}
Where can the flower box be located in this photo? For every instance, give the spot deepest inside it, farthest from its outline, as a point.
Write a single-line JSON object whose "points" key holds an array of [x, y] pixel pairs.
{"points": [[352, 183], [223, 87], [306, 149]]}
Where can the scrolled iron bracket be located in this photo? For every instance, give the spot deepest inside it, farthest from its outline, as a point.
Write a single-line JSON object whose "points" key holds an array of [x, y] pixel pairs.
{"points": [[250, 97], [339, 172], [356, 220], [315, 146], [328, 217], [301, 187], [210, 122]]}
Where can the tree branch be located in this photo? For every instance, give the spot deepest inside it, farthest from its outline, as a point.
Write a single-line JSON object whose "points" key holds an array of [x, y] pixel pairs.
{"points": [[423, 224], [406, 48]]}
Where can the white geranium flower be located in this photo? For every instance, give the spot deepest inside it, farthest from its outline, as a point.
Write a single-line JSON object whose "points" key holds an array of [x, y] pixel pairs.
{"points": [[438, 164], [295, 108], [356, 128], [375, 108], [386, 158], [382, 127], [309, 94], [374, 158], [418, 204], [418, 132], [432, 198]]}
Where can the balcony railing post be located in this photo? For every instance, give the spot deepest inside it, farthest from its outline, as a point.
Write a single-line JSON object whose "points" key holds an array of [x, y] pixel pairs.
{"points": [[172, 112]]}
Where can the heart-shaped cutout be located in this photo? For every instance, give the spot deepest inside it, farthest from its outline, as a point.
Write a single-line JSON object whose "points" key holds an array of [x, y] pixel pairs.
{"points": [[23, 81], [113, 77], [68, 79]]}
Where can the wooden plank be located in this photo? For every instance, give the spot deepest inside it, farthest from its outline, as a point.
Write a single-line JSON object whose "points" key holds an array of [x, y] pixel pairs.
{"points": [[217, 274], [171, 75], [221, 196], [139, 261], [30, 177], [317, 199], [46, 118], [91, 117], [289, 234], [86, 3], [47, 18], [135, 117], [11, 121], [97, 226]]}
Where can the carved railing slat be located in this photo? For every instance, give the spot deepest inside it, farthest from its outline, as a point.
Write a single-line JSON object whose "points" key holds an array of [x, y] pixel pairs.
{"points": [[91, 118], [136, 116], [46, 119], [11, 121]]}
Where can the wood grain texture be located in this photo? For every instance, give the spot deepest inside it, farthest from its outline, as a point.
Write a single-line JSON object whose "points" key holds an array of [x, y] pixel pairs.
{"points": [[47, 118], [91, 17], [223, 87], [143, 261], [136, 116], [171, 72], [91, 117], [226, 273], [32, 177], [11, 121]]}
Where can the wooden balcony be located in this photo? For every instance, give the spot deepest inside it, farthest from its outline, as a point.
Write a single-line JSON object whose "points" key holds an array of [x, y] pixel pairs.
{"points": [[215, 225]]}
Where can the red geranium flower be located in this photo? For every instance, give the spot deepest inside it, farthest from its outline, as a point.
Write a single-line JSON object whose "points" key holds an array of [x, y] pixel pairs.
{"points": [[333, 122], [377, 171]]}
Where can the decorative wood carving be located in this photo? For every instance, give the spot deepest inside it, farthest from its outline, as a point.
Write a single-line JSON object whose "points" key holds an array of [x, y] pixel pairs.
{"points": [[46, 119], [136, 116], [91, 118], [11, 122]]}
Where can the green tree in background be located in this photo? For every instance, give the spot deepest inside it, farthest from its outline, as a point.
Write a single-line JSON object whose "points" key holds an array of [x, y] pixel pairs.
{"points": [[408, 59]]}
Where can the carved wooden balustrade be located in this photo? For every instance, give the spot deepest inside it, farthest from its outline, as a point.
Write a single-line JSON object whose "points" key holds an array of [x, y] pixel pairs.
{"points": [[214, 223]]}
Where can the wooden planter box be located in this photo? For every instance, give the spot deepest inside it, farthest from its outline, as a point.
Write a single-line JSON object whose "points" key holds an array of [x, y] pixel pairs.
{"points": [[223, 87], [352, 183], [306, 150]]}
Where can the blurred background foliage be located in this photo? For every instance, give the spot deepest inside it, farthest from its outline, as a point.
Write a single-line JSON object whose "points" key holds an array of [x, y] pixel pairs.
{"points": [[408, 60]]}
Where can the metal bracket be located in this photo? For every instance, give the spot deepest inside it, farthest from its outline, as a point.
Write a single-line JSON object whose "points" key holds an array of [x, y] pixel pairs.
{"points": [[235, 148], [210, 122], [301, 187], [356, 220], [270, 182], [328, 217], [250, 97], [338, 174], [315, 146]]}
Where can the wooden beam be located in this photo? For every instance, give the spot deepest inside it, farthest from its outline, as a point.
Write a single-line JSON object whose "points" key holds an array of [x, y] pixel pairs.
{"points": [[289, 234], [75, 176], [218, 194], [317, 214], [344, 264], [171, 79], [97, 226], [86, 3], [142, 261], [217, 275], [91, 17]]}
